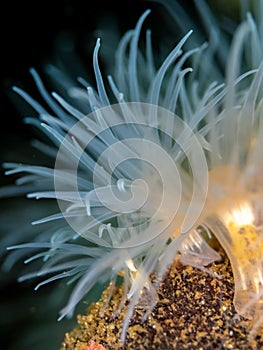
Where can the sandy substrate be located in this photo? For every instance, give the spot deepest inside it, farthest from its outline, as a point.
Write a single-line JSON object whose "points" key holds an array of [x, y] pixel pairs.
{"points": [[195, 311]]}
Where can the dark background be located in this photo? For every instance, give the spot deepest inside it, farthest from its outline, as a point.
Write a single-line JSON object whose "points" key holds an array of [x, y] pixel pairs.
{"points": [[28, 35], [29, 32]]}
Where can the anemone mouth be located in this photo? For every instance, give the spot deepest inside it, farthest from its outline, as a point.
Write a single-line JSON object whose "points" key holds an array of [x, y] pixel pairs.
{"points": [[240, 237], [234, 216]]}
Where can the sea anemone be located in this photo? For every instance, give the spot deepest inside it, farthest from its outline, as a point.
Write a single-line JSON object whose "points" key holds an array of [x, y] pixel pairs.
{"points": [[147, 162]]}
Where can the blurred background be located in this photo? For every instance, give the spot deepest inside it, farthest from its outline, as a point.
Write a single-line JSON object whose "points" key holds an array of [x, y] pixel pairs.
{"points": [[36, 33], [33, 34]]}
